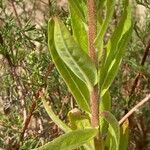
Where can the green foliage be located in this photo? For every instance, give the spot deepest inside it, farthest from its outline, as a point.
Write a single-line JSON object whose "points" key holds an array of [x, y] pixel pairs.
{"points": [[78, 23], [124, 135], [71, 140], [27, 69], [73, 56], [55, 118], [74, 83], [113, 139], [24, 64], [115, 50], [105, 105], [69, 55], [110, 6]]}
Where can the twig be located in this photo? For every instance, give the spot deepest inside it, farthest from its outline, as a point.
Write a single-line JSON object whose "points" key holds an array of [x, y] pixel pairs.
{"points": [[145, 53], [1, 40], [27, 121], [16, 14], [19, 22], [33, 107], [49, 69], [135, 108], [139, 74]]}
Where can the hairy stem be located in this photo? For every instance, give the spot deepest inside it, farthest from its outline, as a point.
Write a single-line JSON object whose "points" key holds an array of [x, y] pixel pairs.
{"points": [[91, 29], [94, 96]]}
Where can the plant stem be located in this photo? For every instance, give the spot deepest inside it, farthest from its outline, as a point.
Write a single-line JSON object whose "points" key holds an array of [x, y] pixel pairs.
{"points": [[91, 29], [94, 95]]}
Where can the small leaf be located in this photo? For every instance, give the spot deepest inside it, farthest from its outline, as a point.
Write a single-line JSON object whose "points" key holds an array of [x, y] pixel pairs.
{"points": [[110, 6], [55, 118], [70, 141], [77, 8], [105, 105], [78, 119], [114, 66], [114, 130], [76, 86], [73, 56], [79, 28]]}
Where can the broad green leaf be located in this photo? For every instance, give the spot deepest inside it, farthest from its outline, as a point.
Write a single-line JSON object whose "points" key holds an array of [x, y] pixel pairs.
{"points": [[110, 6], [115, 49], [73, 56], [105, 105], [70, 141], [79, 28], [78, 88], [54, 117], [124, 135], [114, 130]]}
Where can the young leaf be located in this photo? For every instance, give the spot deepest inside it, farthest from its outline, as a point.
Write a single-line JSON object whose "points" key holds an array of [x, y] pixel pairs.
{"points": [[79, 28], [77, 8], [115, 49], [105, 105], [73, 56], [55, 118], [70, 141], [78, 120], [114, 130], [110, 5], [114, 66], [76, 86]]}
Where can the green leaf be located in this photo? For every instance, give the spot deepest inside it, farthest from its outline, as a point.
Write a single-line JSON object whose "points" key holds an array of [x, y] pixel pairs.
{"points": [[55, 118], [100, 4], [73, 56], [70, 141], [115, 50], [105, 105], [113, 69], [79, 28], [124, 136], [114, 130], [77, 8], [78, 88], [78, 119], [110, 6]]}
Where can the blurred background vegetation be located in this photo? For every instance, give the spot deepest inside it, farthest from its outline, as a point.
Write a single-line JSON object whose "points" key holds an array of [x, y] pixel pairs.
{"points": [[26, 68]]}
